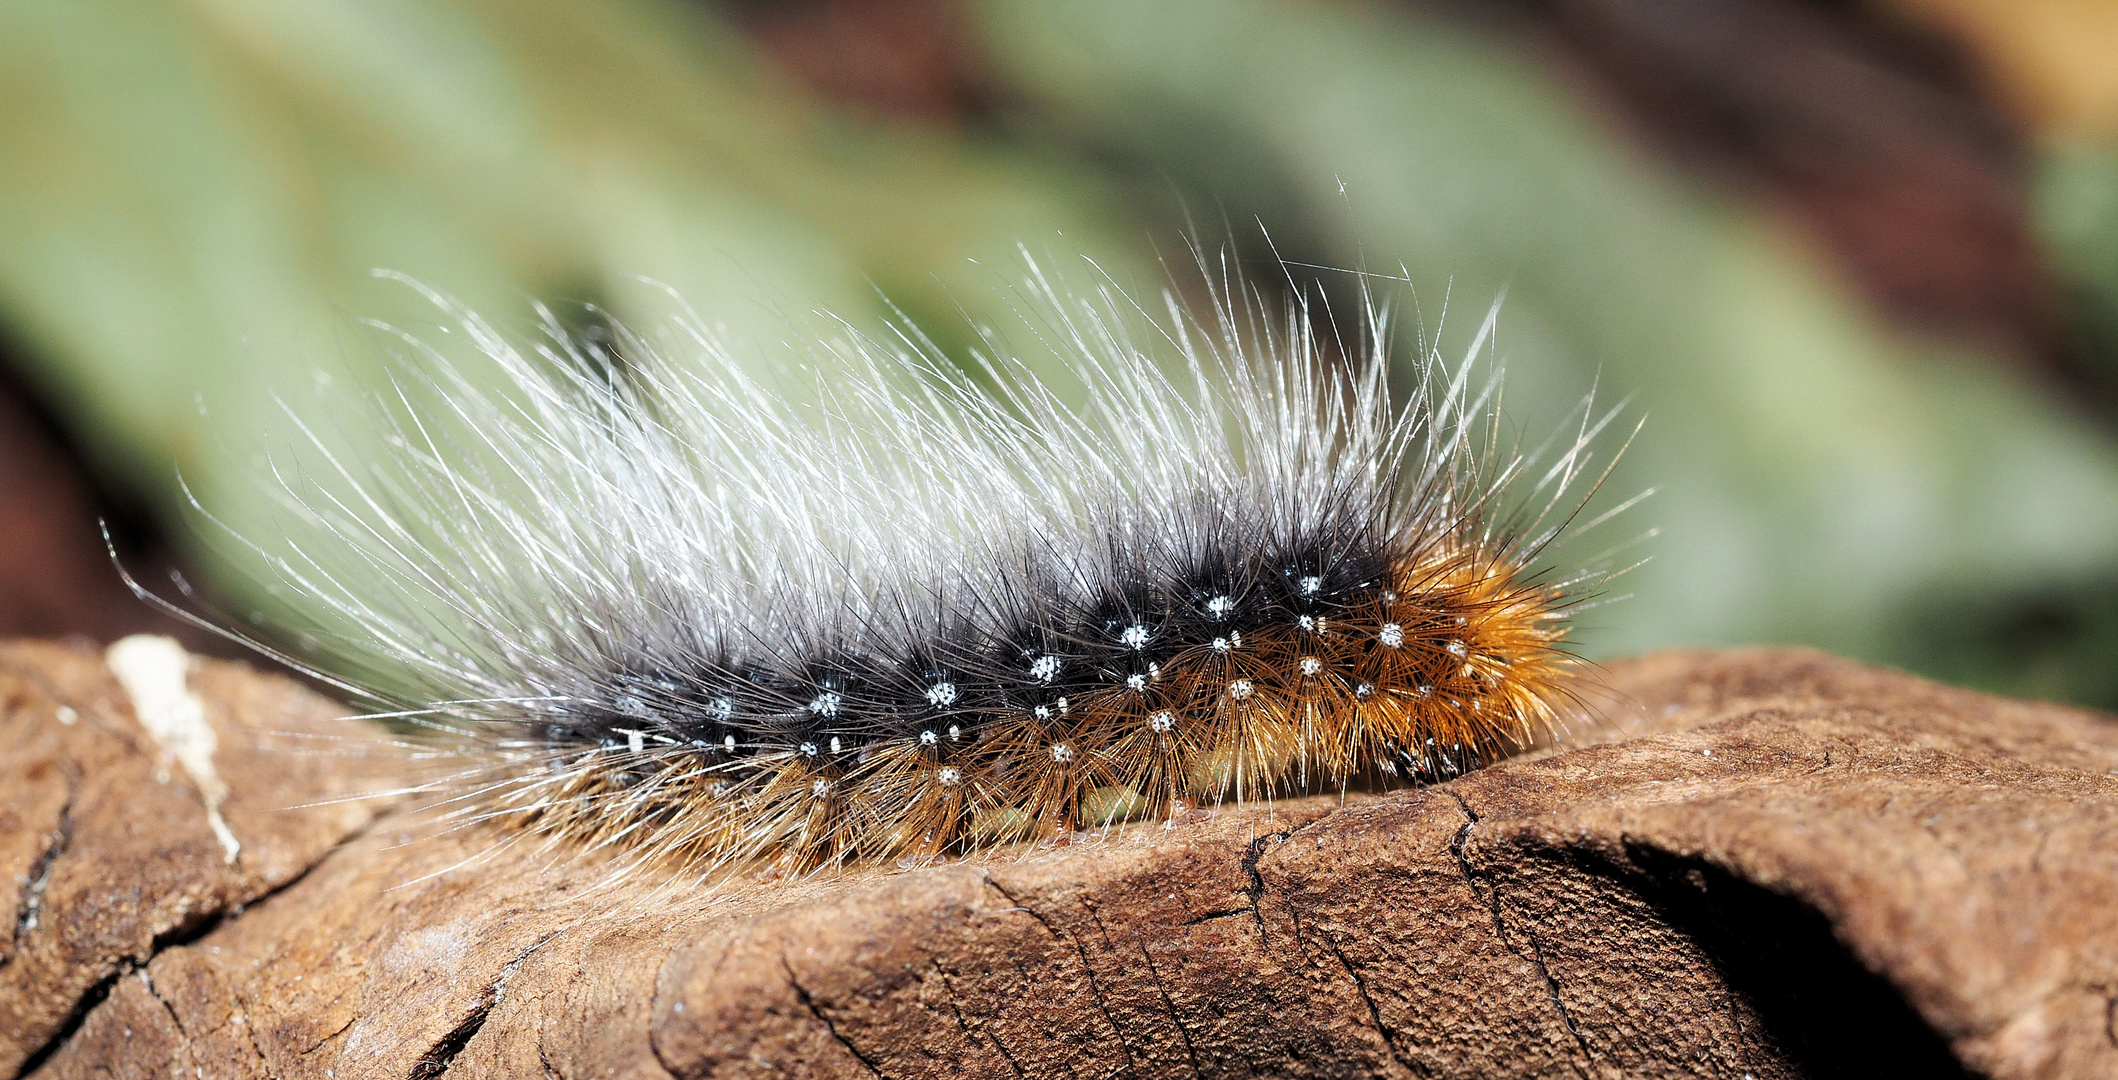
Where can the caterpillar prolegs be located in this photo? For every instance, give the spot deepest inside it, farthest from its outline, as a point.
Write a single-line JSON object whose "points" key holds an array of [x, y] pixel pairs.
{"points": [[643, 601]]}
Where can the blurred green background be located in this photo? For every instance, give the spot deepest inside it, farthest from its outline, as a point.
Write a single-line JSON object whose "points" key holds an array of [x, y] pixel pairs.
{"points": [[1857, 262]]}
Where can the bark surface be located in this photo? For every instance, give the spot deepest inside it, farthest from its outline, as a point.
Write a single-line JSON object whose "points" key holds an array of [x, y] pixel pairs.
{"points": [[1767, 862]]}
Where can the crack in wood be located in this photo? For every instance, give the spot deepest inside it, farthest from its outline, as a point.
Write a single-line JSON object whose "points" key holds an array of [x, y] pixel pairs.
{"points": [[327, 1036], [197, 926], [964, 1026], [242, 1019], [85, 1004], [1375, 1013], [147, 980], [1255, 891], [809, 1003], [1491, 897], [1088, 970], [31, 904], [1008, 1056], [1225, 913], [1191, 1049], [436, 1061]]}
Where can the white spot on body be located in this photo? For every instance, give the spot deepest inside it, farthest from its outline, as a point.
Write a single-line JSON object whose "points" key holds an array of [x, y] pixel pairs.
{"points": [[825, 704], [154, 671], [1220, 644], [1134, 637], [928, 738], [955, 733], [1456, 648], [1220, 606], [941, 695], [808, 749], [836, 746], [1045, 668], [1311, 665], [1042, 712], [66, 714], [1240, 689], [1062, 753], [635, 741], [728, 744], [1311, 585], [820, 788], [1391, 635], [949, 777], [1136, 682], [1162, 721]]}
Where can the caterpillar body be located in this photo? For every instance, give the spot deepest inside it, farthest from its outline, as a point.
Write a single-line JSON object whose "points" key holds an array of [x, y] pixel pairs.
{"points": [[644, 603]]}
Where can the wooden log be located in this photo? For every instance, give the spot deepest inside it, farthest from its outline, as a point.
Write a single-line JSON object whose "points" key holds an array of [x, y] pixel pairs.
{"points": [[108, 856], [1768, 863]]}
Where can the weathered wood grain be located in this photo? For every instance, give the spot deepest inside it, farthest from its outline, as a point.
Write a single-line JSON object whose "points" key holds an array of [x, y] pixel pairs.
{"points": [[1768, 863], [106, 854]]}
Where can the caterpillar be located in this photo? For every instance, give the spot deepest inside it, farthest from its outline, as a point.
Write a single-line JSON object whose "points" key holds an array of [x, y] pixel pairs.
{"points": [[645, 603]]}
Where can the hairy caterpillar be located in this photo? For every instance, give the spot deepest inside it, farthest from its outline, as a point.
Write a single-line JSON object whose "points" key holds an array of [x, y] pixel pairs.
{"points": [[643, 602]]}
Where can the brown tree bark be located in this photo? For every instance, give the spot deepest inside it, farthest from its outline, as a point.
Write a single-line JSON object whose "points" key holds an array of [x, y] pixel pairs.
{"points": [[1768, 863]]}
